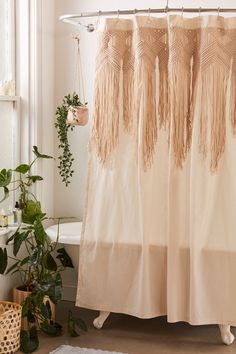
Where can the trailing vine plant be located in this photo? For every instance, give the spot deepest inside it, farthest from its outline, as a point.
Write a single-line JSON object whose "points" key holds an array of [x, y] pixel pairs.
{"points": [[66, 157]]}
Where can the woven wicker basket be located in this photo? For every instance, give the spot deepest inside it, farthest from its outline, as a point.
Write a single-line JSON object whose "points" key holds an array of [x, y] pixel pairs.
{"points": [[10, 324]]}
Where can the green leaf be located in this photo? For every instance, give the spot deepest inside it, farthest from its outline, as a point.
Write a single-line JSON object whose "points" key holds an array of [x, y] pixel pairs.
{"points": [[80, 324], [49, 309], [40, 234], [35, 178], [31, 211], [24, 168], [64, 258], [36, 255], [12, 236], [74, 323], [5, 194], [25, 261], [13, 267], [29, 341], [51, 328], [50, 263], [30, 317], [44, 311], [39, 155], [55, 289], [26, 306], [5, 177], [19, 238], [3, 260]]}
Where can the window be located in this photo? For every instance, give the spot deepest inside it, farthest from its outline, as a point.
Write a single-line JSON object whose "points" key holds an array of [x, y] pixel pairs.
{"points": [[7, 34]]}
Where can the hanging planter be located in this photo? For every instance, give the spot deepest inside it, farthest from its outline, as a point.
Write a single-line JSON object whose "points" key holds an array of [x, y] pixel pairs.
{"points": [[72, 112], [77, 115]]}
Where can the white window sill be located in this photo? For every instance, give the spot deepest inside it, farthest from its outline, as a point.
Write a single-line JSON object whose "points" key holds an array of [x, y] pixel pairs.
{"points": [[9, 98]]}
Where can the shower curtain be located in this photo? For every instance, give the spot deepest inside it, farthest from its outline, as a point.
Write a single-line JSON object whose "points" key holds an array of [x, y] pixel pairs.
{"points": [[159, 231]]}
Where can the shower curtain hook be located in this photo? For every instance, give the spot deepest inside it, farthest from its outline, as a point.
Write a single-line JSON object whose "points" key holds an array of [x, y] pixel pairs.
{"points": [[167, 7], [218, 11], [97, 21], [149, 10], [199, 11], [182, 13], [118, 14]]}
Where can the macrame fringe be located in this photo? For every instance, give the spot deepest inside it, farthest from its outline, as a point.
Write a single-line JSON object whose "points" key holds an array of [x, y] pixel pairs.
{"points": [[181, 116], [146, 110], [213, 102], [163, 97], [232, 103], [128, 94], [105, 132]]}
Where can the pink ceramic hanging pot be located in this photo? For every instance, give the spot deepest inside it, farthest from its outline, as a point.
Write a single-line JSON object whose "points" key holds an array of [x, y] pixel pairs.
{"points": [[77, 115]]}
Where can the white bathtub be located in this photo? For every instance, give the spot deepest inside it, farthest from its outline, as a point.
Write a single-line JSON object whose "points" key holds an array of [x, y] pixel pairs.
{"points": [[69, 238]]}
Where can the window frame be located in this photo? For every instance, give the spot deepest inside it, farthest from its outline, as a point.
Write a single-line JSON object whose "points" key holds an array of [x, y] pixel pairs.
{"points": [[12, 51]]}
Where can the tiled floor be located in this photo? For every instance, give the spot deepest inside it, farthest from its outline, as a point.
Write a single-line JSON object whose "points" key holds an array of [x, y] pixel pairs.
{"points": [[135, 336]]}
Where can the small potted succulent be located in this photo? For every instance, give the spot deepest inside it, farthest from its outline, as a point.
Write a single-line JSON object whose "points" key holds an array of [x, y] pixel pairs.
{"points": [[70, 113], [37, 260]]}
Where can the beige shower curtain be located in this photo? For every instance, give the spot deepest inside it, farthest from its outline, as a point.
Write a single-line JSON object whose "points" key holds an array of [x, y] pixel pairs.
{"points": [[159, 231]]}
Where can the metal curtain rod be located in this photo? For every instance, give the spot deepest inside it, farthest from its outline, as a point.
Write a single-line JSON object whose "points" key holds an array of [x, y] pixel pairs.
{"points": [[143, 11], [73, 18]]}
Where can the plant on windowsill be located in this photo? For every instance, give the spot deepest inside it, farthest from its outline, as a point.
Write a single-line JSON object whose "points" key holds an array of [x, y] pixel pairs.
{"points": [[70, 113], [36, 259]]}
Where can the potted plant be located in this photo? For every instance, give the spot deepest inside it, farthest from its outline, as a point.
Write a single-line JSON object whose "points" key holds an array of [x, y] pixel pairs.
{"points": [[38, 261], [70, 113]]}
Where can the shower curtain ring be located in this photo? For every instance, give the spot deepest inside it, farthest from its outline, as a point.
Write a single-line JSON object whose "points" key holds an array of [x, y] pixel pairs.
{"points": [[199, 11], [218, 11], [118, 14], [149, 11], [182, 13]]}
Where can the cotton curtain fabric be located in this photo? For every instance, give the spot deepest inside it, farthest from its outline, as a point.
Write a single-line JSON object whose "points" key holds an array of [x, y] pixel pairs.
{"points": [[159, 231]]}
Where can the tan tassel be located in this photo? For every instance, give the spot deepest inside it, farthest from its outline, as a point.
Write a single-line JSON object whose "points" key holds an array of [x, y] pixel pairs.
{"points": [[232, 103], [105, 132], [163, 106], [128, 97], [146, 109], [203, 119], [181, 115], [214, 86], [218, 122], [163, 96]]}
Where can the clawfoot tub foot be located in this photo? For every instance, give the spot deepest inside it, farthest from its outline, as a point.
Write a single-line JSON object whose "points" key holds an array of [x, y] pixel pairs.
{"points": [[226, 336], [99, 321]]}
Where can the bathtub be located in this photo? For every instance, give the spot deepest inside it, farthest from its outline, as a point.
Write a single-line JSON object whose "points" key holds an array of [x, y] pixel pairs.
{"points": [[69, 238]]}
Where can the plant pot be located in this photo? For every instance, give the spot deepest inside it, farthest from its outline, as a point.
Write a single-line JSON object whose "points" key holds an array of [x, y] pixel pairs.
{"points": [[19, 297], [77, 115]]}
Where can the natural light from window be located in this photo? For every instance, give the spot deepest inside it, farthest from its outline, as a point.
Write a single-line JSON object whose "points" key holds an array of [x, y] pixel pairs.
{"points": [[7, 82]]}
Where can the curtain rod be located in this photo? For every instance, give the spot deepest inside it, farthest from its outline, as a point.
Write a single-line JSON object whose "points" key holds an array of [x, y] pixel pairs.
{"points": [[73, 18], [143, 11]]}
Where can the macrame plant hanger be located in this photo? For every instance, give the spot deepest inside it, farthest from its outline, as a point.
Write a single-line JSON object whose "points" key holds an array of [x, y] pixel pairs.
{"points": [[78, 115]]}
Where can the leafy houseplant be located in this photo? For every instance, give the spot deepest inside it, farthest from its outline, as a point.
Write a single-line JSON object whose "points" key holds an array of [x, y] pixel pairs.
{"points": [[64, 123], [42, 262]]}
